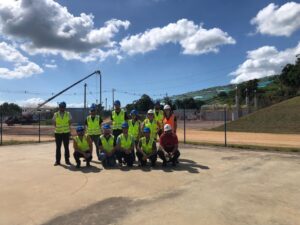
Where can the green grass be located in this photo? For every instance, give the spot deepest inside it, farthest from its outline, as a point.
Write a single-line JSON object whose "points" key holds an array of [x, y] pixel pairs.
{"points": [[282, 118], [5, 143], [246, 147]]}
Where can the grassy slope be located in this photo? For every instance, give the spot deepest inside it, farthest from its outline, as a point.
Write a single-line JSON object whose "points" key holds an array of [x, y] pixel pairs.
{"points": [[283, 117]]}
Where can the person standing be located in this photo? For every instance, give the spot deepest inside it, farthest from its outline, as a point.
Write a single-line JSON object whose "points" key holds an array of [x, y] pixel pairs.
{"points": [[134, 129], [107, 145], [83, 147], [151, 123], [147, 149], [159, 116], [62, 122], [168, 146], [125, 146], [170, 118], [93, 124], [118, 117]]}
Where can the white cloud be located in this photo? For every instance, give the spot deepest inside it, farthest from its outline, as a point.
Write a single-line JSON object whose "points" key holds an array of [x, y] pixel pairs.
{"points": [[193, 38], [50, 66], [34, 102], [264, 61], [278, 21], [22, 66], [46, 27]]}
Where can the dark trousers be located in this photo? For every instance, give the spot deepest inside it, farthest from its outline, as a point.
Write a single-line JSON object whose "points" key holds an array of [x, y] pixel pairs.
{"points": [[174, 158], [152, 158], [116, 133], [95, 139], [78, 155], [108, 161], [59, 139], [128, 158]]}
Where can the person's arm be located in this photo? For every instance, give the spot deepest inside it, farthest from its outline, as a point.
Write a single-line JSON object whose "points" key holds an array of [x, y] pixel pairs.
{"points": [[175, 144], [54, 120], [161, 143], [118, 144], [175, 124], [90, 144], [154, 149], [76, 149], [141, 150]]}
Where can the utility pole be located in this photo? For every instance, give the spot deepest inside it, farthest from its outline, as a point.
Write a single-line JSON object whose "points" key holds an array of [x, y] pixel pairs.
{"points": [[113, 97], [106, 103], [247, 101], [237, 105], [84, 100], [255, 100], [100, 99]]}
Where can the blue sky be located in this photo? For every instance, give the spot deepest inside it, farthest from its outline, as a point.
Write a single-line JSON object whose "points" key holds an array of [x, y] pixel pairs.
{"points": [[156, 47]]}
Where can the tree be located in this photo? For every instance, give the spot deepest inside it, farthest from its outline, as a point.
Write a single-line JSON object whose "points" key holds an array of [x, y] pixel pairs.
{"points": [[10, 109], [290, 76]]}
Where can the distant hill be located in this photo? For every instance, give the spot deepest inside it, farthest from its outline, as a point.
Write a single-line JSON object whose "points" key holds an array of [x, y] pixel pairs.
{"points": [[209, 93], [283, 117]]}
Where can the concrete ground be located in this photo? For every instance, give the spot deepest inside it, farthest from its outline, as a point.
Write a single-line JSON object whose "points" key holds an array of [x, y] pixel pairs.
{"points": [[213, 186]]}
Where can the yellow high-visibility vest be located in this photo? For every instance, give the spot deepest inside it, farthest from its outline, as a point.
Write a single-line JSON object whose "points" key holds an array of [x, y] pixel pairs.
{"points": [[108, 145], [126, 143], [62, 123], [134, 129], [83, 144], [152, 126], [118, 119], [93, 127], [147, 147]]}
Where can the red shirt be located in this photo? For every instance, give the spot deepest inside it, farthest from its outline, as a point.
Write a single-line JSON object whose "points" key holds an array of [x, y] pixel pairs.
{"points": [[168, 141]]}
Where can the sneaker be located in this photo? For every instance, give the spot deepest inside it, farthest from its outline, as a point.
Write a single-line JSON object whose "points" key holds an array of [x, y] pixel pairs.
{"points": [[68, 162], [56, 163]]}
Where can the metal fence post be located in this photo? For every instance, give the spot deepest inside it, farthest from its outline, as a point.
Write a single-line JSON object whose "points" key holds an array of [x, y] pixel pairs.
{"points": [[225, 126], [1, 122], [39, 127], [184, 134]]}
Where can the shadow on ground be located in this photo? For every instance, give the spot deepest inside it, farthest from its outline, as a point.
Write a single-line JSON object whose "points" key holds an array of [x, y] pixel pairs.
{"points": [[184, 165], [108, 211]]}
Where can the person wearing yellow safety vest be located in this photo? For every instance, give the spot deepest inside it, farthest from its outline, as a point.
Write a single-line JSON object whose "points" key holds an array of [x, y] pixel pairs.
{"points": [[107, 145], [118, 116], [170, 118], [62, 122], [134, 128], [159, 116], [152, 124], [83, 147], [147, 149], [125, 146], [93, 124]]}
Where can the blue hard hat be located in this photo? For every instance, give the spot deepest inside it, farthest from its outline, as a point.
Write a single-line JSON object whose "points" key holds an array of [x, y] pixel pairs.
{"points": [[134, 112], [125, 125], [106, 126], [117, 102], [62, 104], [146, 130], [93, 107], [79, 128]]}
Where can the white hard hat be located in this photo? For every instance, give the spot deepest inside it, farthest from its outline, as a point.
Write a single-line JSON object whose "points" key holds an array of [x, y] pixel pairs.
{"points": [[167, 127], [150, 111], [167, 107]]}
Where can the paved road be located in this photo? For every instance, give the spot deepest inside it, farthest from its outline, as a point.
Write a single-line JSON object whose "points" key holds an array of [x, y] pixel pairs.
{"points": [[211, 186]]}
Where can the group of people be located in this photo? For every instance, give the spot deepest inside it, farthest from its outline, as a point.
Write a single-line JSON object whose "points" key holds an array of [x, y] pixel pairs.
{"points": [[122, 140]]}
